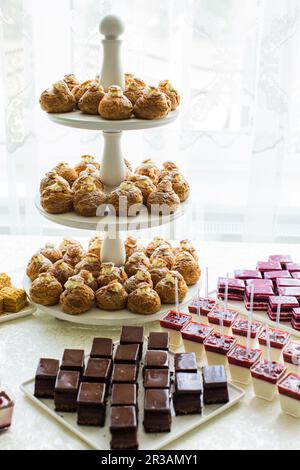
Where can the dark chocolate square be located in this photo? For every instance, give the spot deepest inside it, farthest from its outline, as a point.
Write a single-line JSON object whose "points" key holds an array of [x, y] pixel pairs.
{"points": [[123, 428], [186, 362], [157, 411], [187, 396], [102, 348], [66, 391], [73, 359], [98, 371], [158, 341], [157, 378], [124, 373], [133, 335], [91, 404], [124, 395], [156, 360], [215, 386], [127, 354], [45, 378]]}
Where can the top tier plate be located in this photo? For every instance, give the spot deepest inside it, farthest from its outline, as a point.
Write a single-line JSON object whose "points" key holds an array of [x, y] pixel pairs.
{"points": [[78, 120]]}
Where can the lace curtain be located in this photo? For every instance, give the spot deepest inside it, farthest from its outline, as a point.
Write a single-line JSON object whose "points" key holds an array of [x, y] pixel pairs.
{"points": [[237, 139]]}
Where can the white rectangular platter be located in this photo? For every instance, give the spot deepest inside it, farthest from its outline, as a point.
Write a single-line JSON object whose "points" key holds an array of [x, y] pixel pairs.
{"points": [[259, 316], [29, 310], [99, 438]]}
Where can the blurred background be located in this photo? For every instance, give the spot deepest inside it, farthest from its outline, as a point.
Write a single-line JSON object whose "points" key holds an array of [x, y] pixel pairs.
{"points": [[237, 141]]}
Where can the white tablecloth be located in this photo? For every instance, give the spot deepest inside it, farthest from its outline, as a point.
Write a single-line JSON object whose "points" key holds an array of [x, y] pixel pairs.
{"points": [[253, 424]]}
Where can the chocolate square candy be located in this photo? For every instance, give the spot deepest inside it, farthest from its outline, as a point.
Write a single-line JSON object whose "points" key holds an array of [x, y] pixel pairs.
{"points": [[124, 395], [133, 335], [73, 359], [45, 378], [156, 360], [123, 427], [124, 373], [186, 362], [187, 395], [98, 371], [157, 378], [215, 385], [91, 404], [102, 348], [127, 354], [66, 391], [157, 411], [158, 341]]}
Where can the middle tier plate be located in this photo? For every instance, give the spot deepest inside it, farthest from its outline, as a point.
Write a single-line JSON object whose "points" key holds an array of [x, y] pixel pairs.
{"points": [[141, 221], [79, 120], [96, 317]]}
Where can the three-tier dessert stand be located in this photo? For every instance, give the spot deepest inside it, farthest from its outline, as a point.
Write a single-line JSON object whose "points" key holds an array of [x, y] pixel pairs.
{"points": [[112, 173]]}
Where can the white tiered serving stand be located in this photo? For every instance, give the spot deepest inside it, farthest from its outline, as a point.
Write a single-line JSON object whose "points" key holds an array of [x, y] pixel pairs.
{"points": [[112, 172]]}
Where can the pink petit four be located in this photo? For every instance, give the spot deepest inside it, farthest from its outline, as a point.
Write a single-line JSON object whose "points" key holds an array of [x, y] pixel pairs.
{"points": [[240, 362], [287, 304], [265, 266], [217, 348], [293, 267], [283, 259], [229, 316], [173, 322], [289, 394], [296, 319], [246, 274], [296, 275], [278, 341], [259, 282], [291, 356], [261, 297], [290, 292], [6, 410], [194, 334], [240, 329], [265, 376], [288, 282], [236, 288]]}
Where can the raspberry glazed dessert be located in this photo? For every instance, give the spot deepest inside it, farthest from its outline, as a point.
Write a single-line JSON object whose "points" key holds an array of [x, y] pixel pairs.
{"points": [[291, 356], [217, 348], [229, 316], [240, 362], [201, 306], [193, 335], [265, 376], [278, 341], [267, 266], [240, 330], [289, 394], [246, 274], [282, 259], [287, 304], [262, 293], [173, 322], [236, 289]]}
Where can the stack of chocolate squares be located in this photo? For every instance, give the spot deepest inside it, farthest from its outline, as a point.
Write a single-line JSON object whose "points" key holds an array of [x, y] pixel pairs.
{"points": [[188, 385], [124, 402], [157, 385]]}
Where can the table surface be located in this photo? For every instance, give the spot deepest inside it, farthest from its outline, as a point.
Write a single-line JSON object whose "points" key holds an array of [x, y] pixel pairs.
{"points": [[253, 424]]}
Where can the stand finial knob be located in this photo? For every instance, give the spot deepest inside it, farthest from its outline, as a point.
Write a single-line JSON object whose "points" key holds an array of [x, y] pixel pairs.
{"points": [[112, 26]]}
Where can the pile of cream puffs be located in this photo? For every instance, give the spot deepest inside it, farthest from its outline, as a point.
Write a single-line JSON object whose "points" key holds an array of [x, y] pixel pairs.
{"points": [[65, 189], [138, 99], [74, 278]]}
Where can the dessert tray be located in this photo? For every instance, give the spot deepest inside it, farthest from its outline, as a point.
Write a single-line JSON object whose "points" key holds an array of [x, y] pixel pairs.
{"points": [[96, 317], [99, 438], [27, 311]]}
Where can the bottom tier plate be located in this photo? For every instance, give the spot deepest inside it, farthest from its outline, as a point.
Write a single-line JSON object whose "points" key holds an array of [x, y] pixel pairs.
{"points": [[25, 312], [96, 317]]}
